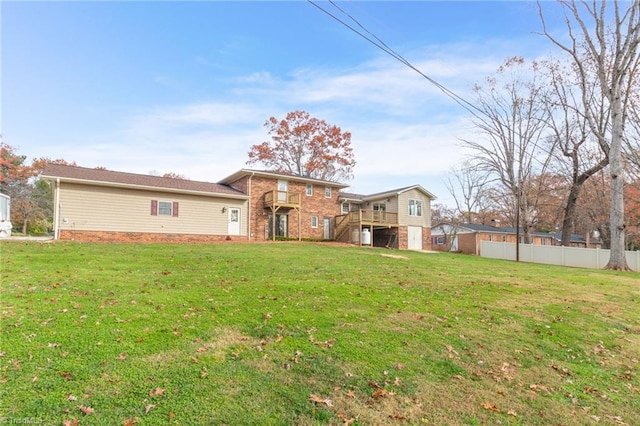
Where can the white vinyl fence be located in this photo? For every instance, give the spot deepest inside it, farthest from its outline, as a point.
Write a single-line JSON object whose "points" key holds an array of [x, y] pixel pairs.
{"points": [[555, 255]]}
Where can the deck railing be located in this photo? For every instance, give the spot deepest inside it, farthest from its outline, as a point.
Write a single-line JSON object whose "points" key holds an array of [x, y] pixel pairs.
{"points": [[281, 198], [346, 223]]}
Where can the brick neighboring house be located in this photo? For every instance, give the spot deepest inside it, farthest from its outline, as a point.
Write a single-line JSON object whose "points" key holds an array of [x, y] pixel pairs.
{"points": [[249, 205], [466, 238]]}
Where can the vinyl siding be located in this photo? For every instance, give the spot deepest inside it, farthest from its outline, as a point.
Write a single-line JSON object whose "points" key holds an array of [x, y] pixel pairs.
{"points": [[403, 209], [97, 208]]}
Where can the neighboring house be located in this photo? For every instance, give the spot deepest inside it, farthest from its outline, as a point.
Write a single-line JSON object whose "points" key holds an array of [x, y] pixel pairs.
{"points": [[399, 218], [467, 237], [5, 215], [249, 205]]}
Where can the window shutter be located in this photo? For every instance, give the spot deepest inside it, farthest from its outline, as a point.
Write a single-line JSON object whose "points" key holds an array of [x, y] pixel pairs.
{"points": [[154, 207], [175, 209]]}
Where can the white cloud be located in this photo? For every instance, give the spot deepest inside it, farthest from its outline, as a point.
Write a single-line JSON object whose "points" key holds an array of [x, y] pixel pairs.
{"points": [[404, 128]]}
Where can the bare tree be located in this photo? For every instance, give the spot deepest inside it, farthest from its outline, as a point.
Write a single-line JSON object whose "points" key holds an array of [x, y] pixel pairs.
{"points": [[468, 188], [578, 158], [513, 124], [604, 49]]}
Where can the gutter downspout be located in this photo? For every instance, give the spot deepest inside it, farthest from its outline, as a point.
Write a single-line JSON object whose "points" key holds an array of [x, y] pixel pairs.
{"points": [[249, 217], [56, 209]]}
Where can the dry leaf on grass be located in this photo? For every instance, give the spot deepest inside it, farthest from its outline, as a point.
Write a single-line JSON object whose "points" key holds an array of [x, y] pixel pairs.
{"points": [[489, 406], [320, 401], [86, 410], [156, 392]]}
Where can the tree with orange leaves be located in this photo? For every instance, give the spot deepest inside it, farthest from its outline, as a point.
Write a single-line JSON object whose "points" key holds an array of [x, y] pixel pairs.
{"points": [[303, 145]]}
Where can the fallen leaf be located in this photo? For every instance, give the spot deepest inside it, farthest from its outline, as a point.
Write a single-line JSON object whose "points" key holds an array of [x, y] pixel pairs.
{"points": [[512, 413], [156, 392], [86, 410], [350, 394], [321, 401], [35, 379], [171, 415], [129, 422], [201, 349], [347, 421], [536, 388], [489, 406], [67, 375], [148, 408], [380, 393], [397, 417], [122, 356], [71, 397], [74, 422]]}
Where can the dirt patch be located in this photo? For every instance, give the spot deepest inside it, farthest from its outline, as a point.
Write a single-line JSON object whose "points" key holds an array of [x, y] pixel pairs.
{"points": [[395, 256]]}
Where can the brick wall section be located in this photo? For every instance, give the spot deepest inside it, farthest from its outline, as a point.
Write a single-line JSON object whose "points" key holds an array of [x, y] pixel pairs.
{"points": [[426, 238], [403, 238], [314, 205], [140, 237]]}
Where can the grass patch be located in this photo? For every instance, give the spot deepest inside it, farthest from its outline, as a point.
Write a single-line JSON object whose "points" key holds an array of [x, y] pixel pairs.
{"points": [[299, 333]]}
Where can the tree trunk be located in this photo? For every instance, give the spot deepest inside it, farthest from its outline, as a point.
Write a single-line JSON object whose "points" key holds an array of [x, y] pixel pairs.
{"points": [[574, 193], [617, 259]]}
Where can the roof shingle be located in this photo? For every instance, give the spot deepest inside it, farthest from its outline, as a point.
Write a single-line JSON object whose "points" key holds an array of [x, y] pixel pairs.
{"points": [[111, 178]]}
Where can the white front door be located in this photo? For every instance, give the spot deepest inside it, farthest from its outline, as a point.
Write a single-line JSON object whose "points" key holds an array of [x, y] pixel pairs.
{"points": [[234, 221], [415, 237]]}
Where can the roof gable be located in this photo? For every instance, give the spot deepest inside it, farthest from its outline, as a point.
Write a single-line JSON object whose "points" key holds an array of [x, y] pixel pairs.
{"points": [[131, 180], [276, 175], [385, 194]]}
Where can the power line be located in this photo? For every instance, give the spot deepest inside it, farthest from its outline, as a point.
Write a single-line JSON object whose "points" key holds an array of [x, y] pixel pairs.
{"points": [[376, 41]]}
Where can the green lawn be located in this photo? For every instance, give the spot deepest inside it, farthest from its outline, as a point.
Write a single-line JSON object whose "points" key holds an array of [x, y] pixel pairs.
{"points": [[301, 334]]}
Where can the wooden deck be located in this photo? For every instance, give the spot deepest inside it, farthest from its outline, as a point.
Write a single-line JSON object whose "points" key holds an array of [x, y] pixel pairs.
{"points": [[282, 199], [346, 224]]}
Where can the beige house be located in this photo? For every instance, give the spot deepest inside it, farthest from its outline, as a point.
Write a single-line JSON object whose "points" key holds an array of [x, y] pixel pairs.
{"points": [[102, 205], [399, 218], [249, 205]]}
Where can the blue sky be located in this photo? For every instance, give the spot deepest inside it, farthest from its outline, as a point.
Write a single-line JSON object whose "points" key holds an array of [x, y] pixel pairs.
{"points": [[186, 87]]}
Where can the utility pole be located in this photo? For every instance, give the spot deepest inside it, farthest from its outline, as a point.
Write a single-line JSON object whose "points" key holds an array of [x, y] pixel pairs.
{"points": [[517, 223]]}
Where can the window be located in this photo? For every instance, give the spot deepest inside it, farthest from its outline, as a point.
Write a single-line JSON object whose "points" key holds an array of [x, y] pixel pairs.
{"points": [[440, 240], [309, 189], [345, 208], [164, 208], [415, 208], [327, 191], [314, 221], [379, 207], [283, 187]]}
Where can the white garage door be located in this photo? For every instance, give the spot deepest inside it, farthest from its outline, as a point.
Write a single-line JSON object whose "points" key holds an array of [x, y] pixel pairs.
{"points": [[415, 237]]}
